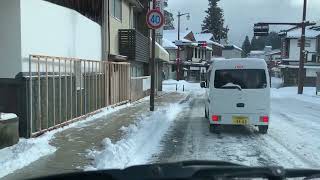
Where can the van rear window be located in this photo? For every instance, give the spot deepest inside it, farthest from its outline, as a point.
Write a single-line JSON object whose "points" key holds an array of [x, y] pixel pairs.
{"points": [[245, 78]]}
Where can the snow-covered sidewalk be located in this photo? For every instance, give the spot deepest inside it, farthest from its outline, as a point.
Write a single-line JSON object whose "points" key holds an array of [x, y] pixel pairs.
{"points": [[66, 150], [30, 150]]}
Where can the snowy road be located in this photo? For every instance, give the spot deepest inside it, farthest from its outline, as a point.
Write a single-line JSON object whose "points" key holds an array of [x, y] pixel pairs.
{"points": [[293, 139], [177, 131]]}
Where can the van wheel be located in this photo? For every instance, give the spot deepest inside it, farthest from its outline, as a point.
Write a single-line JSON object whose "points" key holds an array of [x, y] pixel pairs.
{"points": [[215, 128], [206, 113], [263, 129]]}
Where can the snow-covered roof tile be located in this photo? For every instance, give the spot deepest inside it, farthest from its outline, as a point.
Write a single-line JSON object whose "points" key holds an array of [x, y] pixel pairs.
{"points": [[207, 38], [172, 35], [218, 44], [168, 44], [231, 47], [204, 37], [275, 51], [296, 33], [257, 52]]}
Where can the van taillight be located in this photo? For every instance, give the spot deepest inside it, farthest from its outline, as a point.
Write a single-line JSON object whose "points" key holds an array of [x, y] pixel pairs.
{"points": [[264, 119], [215, 118]]}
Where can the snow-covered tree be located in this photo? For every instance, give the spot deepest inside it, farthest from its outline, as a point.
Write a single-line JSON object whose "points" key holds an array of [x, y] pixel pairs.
{"points": [[214, 21], [246, 47], [168, 20]]}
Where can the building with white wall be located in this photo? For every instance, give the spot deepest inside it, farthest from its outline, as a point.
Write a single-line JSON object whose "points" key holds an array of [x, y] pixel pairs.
{"points": [[43, 28], [290, 54], [231, 51], [49, 28], [291, 45]]}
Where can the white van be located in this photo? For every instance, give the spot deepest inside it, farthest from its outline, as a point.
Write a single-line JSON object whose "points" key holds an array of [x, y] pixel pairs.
{"points": [[238, 93]]}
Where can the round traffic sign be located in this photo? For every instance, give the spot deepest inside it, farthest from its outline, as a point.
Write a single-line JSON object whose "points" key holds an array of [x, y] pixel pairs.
{"points": [[155, 19]]}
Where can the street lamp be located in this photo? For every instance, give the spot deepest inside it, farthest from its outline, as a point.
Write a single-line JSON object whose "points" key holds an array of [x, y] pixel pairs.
{"points": [[178, 51]]}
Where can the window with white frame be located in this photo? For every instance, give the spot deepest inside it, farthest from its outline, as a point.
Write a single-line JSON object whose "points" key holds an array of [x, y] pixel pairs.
{"points": [[116, 9], [307, 43]]}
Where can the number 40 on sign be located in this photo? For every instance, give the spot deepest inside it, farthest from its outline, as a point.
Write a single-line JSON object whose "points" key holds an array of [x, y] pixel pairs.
{"points": [[155, 19]]}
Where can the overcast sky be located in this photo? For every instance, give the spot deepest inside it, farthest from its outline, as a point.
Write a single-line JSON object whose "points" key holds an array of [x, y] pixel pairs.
{"points": [[240, 15]]}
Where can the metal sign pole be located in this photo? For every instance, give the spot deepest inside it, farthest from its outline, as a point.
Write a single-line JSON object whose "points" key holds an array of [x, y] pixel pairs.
{"points": [[155, 20], [152, 64]]}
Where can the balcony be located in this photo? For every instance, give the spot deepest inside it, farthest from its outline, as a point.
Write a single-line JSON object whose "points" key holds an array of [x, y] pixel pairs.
{"points": [[134, 45]]}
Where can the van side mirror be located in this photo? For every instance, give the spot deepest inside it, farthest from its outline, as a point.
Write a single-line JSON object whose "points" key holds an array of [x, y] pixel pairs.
{"points": [[203, 84]]}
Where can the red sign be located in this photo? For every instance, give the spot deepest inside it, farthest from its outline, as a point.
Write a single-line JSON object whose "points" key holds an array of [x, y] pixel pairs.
{"points": [[239, 66], [155, 19]]}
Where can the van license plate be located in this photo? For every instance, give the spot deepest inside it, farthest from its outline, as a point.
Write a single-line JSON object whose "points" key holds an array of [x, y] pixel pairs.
{"points": [[240, 120]]}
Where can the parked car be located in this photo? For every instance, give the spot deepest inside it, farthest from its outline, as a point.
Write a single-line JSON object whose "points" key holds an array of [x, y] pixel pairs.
{"points": [[238, 93]]}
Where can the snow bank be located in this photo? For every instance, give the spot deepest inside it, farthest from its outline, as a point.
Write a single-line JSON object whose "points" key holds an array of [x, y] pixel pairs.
{"points": [[309, 94], [170, 86], [141, 141], [276, 82], [24, 153], [30, 150]]}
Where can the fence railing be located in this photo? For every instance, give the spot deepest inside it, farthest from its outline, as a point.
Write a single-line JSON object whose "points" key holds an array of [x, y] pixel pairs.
{"points": [[63, 89]]}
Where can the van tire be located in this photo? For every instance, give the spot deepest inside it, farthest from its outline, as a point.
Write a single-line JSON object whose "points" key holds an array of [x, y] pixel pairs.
{"points": [[263, 129], [215, 128], [206, 113]]}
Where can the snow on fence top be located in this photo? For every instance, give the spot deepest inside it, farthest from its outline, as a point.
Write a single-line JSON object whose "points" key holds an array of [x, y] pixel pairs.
{"points": [[7, 116]]}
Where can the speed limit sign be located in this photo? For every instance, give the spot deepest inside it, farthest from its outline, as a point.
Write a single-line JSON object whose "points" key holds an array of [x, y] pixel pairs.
{"points": [[155, 19]]}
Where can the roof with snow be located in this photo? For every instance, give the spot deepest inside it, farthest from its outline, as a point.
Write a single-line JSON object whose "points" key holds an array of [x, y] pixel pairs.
{"points": [[204, 37], [207, 37], [172, 35], [257, 52], [168, 44], [273, 52], [296, 33], [231, 47], [218, 44]]}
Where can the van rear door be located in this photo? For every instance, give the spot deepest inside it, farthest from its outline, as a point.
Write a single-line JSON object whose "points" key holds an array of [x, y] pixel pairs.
{"points": [[240, 91]]}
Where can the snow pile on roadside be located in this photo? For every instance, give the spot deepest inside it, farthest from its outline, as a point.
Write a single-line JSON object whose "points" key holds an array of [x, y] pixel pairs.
{"points": [[30, 150], [276, 82], [141, 141], [171, 85], [24, 153], [309, 94]]}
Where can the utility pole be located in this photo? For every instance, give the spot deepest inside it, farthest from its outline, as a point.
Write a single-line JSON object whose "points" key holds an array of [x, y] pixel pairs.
{"points": [[152, 64], [301, 76], [262, 29], [178, 50]]}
